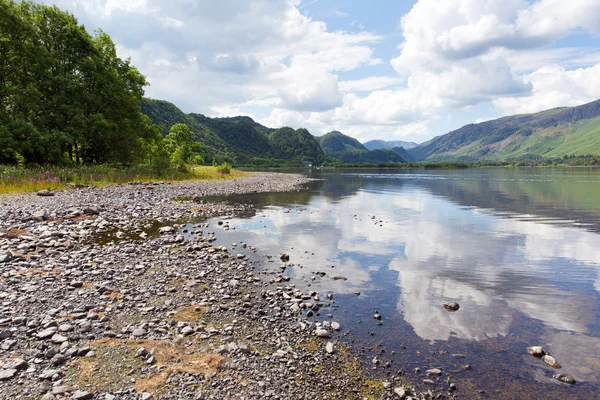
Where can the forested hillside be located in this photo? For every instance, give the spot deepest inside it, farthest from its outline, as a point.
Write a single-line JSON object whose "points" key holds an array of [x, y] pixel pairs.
{"points": [[348, 150], [239, 140]]}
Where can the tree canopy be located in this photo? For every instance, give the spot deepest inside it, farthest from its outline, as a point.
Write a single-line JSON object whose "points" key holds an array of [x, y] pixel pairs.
{"points": [[65, 96]]}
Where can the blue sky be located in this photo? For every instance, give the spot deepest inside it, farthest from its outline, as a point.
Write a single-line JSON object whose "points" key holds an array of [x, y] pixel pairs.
{"points": [[379, 69]]}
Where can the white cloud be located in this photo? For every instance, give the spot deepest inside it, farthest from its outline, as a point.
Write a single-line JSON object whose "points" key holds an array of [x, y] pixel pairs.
{"points": [[553, 86], [233, 55]]}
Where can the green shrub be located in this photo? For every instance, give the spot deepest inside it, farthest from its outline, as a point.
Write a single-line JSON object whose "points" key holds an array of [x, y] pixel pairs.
{"points": [[224, 168]]}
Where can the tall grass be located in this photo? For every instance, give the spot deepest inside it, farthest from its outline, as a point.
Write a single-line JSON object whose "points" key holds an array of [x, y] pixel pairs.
{"points": [[31, 179]]}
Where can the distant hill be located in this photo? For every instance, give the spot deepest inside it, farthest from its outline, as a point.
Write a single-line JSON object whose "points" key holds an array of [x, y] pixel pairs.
{"points": [[549, 134], [349, 150], [382, 144], [239, 140], [336, 142]]}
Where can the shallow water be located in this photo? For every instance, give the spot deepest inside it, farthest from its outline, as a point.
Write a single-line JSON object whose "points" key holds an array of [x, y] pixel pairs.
{"points": [[519, 249]]}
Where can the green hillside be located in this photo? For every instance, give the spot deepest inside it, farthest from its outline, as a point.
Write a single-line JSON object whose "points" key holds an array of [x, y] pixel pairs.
{"points": [[238, 140], [336, 142], [549, 134], [348, 150]]}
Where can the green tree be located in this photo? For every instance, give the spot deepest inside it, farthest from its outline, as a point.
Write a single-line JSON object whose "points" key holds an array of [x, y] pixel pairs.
{"points": [[179, 142], [65, 95]]}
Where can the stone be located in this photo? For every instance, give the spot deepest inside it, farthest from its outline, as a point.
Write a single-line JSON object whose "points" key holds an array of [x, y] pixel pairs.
{"points": [[81, 395], [58, 359], [451, 306], [285, 257], [322, 333], [49, 373], [65, 327], [45, 193], [565, 378], [434, 372], [46, 333], [400, 392], [7, 374], [329, 347], [335, 326], [187, 331], [551, 361], [5, 256], [536, 351], [166, 229], [40, 215], [139, 332], [58, 339], [17, 363]]}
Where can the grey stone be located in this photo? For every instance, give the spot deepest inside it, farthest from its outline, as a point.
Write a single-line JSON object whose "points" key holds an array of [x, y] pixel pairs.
{"points": [[329, 347], [7, 374], [81, 395], [17, 363], [565, 378], [322, 333], [46, 333], [400, 392], [139, 332], [551, 361], [536, 351]]}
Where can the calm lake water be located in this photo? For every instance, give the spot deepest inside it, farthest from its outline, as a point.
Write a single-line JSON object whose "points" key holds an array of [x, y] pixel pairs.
{"points": [[519, 249]]}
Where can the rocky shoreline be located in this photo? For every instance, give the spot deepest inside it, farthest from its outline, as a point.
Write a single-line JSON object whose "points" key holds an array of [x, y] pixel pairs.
{"points": [[105, 297]]}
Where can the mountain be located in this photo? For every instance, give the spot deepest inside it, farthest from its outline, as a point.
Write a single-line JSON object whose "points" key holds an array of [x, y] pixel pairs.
{"points": [[336, 142], [239, 140], [382, 144], [350, 151], [553, 133], [404, 154]]}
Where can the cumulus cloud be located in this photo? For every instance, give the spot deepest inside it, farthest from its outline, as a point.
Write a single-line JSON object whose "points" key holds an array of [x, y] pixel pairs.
{"points": [[239, 56]]}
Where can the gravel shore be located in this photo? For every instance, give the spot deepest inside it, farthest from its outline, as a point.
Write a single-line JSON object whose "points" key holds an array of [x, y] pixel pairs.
{"points": [[105, 297]]}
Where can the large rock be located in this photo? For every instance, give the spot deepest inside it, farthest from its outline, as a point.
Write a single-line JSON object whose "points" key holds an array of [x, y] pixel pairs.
{"points": [[7, 374], [17, 363], [45, 193]]}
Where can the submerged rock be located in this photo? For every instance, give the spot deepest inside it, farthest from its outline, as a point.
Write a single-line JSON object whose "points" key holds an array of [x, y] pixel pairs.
{"points": [[551, 361], [536, 351], [565, 378], [451, 306]]}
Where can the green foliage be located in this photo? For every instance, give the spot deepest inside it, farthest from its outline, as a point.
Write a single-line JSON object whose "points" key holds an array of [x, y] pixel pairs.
{"points": [[336, 142], [181, 147], [224, 168], [65, 96], [238, 140]]}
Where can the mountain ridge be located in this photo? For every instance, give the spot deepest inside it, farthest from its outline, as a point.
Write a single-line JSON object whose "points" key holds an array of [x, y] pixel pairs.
{"points": [[553, 133]]}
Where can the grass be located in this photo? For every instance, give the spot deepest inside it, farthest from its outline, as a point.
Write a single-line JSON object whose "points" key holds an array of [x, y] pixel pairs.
{"points": [[32, 179]]}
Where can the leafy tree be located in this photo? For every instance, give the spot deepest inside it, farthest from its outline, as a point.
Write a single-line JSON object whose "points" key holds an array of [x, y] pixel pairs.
{"points": [[65, 95], [182, 148]]}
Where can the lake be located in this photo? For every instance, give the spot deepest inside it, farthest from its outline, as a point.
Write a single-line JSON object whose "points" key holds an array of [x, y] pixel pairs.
{"points": [[518, 249]]}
